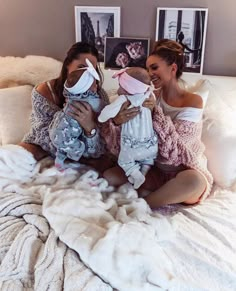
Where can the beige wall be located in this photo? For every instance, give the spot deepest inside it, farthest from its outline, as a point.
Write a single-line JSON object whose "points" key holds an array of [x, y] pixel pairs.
{"points": [[46, 27]]}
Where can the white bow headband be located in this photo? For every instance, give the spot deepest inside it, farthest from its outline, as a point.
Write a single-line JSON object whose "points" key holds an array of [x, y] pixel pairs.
{"points": [[85, 81]]}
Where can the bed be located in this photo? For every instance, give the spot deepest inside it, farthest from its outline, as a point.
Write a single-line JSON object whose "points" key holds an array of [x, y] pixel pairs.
{"points": [[72, 231]]}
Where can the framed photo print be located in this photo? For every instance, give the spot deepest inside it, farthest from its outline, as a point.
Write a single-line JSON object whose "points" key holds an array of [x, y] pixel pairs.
{"points": [[121, 52], [187, 26], [94, 24]]}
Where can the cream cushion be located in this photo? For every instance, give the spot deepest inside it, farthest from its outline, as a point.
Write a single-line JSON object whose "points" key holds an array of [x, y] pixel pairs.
{"points": [[15, 110], [219, 137], [230, 99], [30, 70]]}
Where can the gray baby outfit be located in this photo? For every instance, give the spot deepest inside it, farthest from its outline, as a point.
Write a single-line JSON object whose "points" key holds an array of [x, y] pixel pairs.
{"points": [[44, 114], [67, 134]]}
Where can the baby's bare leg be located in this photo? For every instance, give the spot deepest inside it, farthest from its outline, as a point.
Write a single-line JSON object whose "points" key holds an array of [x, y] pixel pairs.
{"points": [[187, 187], [115, 176]]}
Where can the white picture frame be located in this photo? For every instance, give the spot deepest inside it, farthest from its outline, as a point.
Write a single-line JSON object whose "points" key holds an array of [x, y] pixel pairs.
{"points": [[188, 26], [94, 23]]}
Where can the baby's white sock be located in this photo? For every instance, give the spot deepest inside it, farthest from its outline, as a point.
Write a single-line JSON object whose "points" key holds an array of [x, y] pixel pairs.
{"points": [[144, 169], [137, 177], [131, 179]]}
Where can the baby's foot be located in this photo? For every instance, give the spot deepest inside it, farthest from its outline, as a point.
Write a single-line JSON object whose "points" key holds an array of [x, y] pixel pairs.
{"points": [[144, 169], [137, 177], [131, 179], [60, 167], [139, 181]]}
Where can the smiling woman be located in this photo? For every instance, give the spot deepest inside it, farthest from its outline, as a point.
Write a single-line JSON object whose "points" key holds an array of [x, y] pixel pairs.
{"points": [[180, 174], [165, 54]]}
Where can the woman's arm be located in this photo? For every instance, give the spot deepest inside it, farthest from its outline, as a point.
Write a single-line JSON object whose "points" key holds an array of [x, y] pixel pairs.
{"points": [[86, 117], [44, 111]]}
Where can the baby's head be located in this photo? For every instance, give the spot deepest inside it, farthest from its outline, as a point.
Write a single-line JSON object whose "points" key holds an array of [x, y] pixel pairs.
{"points": [[82, 80], [127, 88], [75, 76]]}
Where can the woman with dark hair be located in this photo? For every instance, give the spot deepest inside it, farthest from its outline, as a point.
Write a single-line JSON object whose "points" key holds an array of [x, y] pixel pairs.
{"points": [[48, 101], [180, 174]]}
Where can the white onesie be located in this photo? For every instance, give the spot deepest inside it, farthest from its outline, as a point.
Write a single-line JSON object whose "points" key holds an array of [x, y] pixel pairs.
{"points": [[138, 148]]}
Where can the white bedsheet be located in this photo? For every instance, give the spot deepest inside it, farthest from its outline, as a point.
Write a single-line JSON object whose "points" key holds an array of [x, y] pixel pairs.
{"points": [[118, 239]]}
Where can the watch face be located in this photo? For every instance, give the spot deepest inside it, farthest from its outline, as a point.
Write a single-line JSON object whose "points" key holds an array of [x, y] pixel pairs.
{"points": [[93, 131]]}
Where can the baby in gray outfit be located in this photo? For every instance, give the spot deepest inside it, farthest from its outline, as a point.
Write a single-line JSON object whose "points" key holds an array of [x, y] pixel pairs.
{"points": [[66, 134]]}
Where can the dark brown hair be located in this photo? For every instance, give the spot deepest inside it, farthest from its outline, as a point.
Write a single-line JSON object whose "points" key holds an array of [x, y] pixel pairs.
{"points": [[171, 52], [73, 54], [73, 77]]}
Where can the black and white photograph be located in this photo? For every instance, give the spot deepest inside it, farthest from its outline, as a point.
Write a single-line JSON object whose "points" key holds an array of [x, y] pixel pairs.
{"points": [[121, 52], [93, 24], [188, 27]]}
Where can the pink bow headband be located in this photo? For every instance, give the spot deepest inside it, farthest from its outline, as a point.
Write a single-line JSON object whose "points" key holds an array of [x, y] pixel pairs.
{"points": [[130, 84]]}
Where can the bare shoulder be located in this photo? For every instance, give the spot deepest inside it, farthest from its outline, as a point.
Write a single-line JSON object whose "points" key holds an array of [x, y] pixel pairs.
{"points": [[193, 100], [44, 90]]}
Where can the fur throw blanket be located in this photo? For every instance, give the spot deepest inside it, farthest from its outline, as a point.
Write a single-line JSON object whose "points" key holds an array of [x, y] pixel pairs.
{"points": [[69, 231], [30, 70]]}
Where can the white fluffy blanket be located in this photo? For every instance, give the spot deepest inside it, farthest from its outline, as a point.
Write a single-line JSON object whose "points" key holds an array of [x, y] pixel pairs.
{"points": [[106, 239], [30, 70]]}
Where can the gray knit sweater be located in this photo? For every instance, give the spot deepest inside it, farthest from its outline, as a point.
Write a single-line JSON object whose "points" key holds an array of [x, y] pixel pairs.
{"points": [[44, 113]]}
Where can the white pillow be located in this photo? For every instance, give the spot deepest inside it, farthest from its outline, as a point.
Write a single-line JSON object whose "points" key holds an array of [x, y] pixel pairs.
{"points": [[15, 110], [230, 99], [219, 137]]}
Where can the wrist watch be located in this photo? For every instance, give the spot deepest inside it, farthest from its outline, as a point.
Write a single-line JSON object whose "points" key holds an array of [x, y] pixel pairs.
{"points": [[91, 133]]}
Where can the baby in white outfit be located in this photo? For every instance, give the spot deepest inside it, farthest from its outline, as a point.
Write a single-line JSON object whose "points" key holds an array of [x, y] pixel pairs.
{"points": [[139, 145]]}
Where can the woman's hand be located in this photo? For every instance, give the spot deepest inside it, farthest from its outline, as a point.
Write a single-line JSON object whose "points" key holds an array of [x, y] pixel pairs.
{"points": [[83, 113], [125, 114], [150, 102]]}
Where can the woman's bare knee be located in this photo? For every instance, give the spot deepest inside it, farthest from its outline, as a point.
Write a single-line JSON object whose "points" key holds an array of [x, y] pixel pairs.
{"points": [[194, 182], [192, 179]]}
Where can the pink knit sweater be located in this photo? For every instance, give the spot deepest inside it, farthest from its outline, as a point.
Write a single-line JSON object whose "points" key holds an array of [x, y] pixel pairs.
{"points": [[179, 142]]}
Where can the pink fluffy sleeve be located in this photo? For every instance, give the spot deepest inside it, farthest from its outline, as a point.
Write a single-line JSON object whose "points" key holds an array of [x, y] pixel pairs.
{"points": [[179, 141], [111, 134]]}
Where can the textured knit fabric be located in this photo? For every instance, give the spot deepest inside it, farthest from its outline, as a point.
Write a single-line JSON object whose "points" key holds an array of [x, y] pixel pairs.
{"points": [[179, 143], [44, 113]]}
